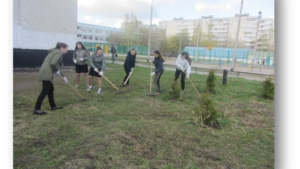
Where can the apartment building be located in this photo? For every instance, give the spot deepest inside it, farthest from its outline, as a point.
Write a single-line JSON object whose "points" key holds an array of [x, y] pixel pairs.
{"points": [[224, 30], [177, 25]]}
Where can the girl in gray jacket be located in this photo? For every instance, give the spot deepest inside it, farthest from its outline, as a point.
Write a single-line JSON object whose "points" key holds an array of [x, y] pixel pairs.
{"points": [[80, 56], [97, 61]]}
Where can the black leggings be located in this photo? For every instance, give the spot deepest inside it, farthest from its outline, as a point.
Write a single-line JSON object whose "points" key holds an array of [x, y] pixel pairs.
{"points": [[48, 89], [127, 74], [156, 81], [177, 73]]}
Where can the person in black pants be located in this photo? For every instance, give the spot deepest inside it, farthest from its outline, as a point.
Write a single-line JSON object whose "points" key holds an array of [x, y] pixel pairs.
{"points": [[113, 52], [129, 65], [183, 67], [159, 70], [48, 68]]}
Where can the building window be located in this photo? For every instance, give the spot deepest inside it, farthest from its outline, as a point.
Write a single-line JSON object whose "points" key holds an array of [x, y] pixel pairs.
{"points": [[79, 35], [79, 27], [87, 37]]}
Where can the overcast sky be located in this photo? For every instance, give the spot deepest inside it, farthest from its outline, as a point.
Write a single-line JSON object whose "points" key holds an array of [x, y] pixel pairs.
{"points": [[111, 13]]}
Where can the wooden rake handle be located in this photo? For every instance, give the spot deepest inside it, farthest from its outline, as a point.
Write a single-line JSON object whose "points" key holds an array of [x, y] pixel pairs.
{"points": [[109, 82], [194, 87], [73, 88], [128, 76]]}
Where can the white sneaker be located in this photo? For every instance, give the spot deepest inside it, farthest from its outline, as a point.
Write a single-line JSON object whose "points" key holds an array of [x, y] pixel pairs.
{"points": [[99, 91], [90, 88], [76, 86]]}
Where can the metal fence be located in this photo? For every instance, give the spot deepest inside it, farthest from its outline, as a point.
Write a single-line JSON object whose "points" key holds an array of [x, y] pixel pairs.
{"points": [[123, 49], [224, 56]]}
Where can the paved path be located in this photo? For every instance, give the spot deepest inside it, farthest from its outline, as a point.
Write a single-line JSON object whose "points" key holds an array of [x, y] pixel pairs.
{"points": [[255, 74]]}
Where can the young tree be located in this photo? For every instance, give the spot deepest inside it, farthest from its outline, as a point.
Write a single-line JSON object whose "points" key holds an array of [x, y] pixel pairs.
{"points": [[208, 40], [114, 38], [130, 26], [173, 45]]}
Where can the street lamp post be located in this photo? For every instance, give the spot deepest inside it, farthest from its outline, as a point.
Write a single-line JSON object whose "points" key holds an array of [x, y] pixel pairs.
{"points": [[236, 39], [149, 39], [255, 45], [197, 43], [180, 43]]}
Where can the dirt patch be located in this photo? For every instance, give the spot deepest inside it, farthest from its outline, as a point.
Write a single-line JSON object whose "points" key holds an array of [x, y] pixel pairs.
{"points": [[27, 78]]}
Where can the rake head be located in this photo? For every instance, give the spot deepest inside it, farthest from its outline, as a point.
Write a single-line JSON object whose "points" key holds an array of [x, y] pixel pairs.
{"points": [[124, 85], [82, 100]]}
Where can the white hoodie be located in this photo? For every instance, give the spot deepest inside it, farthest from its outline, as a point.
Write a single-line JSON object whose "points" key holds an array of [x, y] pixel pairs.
{"points": [[183, 65]]}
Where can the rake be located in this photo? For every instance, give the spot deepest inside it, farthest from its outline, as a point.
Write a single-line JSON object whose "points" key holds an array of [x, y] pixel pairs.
{"points": [[118, 91], [82, 98], [194, 87], [151, 94], [123, 85]]}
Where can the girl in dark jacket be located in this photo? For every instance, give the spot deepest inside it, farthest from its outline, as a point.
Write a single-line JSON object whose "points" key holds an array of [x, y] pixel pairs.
{"points": [[159, 70], [129, 65]]}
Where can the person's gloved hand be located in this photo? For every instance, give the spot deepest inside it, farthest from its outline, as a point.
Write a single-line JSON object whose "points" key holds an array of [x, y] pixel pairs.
{"points": [[182, 68], [58, 73], [75, 61], [153, 73], [80, 59], [101, 73], [96, 70], [130, 73], [65, 79], [188, 76]]}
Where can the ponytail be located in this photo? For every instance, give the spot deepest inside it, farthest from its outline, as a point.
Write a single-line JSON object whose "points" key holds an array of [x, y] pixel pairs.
{"points": [[60, 45]]}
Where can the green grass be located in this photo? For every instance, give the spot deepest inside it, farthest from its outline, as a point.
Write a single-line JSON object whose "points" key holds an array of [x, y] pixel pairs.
{"points": [[132, 130]]}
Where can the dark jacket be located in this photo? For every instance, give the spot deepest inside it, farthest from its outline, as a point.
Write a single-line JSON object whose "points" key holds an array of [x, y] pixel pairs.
{"points": [[158, 65], [113, 49], [129, 61]]}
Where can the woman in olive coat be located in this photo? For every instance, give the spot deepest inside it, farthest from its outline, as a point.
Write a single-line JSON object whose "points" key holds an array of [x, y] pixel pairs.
{"points": [[48, 68]]}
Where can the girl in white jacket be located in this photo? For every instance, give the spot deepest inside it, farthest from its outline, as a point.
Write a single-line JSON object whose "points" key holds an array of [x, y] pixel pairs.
{"points": [[183, 67]]}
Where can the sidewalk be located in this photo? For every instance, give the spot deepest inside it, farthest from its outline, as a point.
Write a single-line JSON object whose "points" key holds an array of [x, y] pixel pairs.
{"points": [[239, 72]]}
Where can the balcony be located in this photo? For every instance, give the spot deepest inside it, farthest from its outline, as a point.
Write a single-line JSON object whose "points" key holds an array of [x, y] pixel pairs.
{"points": [[249, 40], [265, 23], [220, 31]]}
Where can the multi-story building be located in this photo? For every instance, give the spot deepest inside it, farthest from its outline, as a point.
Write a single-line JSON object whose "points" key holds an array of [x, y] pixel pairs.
{"points": [[224, 30], [95, 33], [41, 24], [177, 25], [38, 26]]}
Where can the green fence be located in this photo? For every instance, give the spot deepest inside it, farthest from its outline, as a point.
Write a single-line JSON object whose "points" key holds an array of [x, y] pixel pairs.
{"points": [[91, 47]]}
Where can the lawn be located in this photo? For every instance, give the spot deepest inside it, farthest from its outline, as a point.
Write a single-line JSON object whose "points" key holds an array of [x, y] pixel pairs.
{"points": [[132, 130]]}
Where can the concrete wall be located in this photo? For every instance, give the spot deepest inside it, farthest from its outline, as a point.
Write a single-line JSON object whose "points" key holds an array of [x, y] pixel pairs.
{"points": [[40, 24]]}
